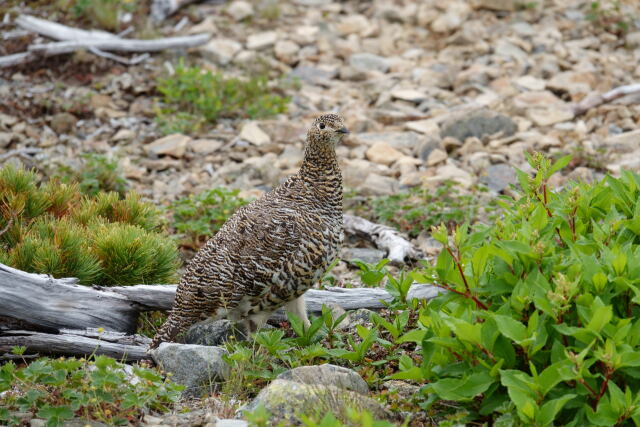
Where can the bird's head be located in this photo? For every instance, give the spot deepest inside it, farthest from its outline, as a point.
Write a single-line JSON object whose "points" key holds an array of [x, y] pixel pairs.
{"points": [[328, 129]]}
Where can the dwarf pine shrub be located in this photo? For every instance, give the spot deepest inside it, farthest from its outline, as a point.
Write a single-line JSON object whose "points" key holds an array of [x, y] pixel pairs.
{"points": [[541, 322], [102, 239]]}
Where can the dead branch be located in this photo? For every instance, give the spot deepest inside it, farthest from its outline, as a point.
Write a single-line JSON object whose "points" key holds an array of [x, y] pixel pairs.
{"points": [[399, 249], [597, 100], [77, 343], [162, 9], [72, 39], [19, 151]]}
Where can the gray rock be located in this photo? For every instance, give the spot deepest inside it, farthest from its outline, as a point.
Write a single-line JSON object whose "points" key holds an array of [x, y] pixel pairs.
{"points": [[378, 185], [369, 61], [368, 255], [327, 375], [232, 423], [313, 75], [6, 138], [286, 400], [426, 147], [478, 124], [499, 177], [398, 140], [361, 316], [196, 367], [212, 332]]}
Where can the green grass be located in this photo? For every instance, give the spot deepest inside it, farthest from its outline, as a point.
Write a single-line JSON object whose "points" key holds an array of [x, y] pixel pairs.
{"points": [[193, 98]]}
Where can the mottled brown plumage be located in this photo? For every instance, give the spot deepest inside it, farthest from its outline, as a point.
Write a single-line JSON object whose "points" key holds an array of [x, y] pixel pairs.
{"points": [[271, 250]]}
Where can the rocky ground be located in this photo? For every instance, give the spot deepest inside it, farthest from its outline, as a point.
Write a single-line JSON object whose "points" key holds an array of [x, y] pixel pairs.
{"points": [[431, 91]]}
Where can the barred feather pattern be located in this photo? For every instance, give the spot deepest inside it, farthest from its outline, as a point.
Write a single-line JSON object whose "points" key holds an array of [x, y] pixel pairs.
{"points": [[271, 250]]}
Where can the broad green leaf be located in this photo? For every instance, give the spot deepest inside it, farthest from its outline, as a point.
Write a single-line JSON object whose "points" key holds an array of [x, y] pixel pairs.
{"points": [[550, 409], [462, 389], [511, 328], [601, 316]]}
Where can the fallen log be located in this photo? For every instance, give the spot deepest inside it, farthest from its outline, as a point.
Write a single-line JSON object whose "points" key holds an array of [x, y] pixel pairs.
{"points": [[399, 249], [51, 303], [76, 343]]}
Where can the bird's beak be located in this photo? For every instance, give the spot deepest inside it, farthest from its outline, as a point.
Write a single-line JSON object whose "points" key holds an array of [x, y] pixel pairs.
{"points": [[343, 130]]}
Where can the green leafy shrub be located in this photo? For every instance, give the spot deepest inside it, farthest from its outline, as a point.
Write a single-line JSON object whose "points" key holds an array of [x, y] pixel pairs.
{"points": [[609, 16], [96, 173], [60, 389], [419, 209], [198, 217], [104, 240], [540, 326], [193, 97], [102, 13]]}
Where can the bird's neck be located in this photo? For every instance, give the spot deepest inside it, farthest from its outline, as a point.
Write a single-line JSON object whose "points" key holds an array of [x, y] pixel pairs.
{"points": [[320, 169]]}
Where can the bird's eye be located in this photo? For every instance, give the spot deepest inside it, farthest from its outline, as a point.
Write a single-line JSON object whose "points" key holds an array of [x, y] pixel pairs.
{"points": [[321, 126]]}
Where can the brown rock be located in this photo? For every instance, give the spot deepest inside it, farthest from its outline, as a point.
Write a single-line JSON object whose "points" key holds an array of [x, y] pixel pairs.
{"points": [[174, 145], [383, 153]]}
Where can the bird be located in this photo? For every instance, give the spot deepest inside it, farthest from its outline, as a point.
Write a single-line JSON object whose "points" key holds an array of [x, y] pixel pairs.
{"points": [[272, 250]]}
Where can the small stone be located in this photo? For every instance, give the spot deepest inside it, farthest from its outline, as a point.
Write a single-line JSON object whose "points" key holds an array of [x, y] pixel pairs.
{"points": [[354, 24], [574, 82], [530, 83], [478, 124], [240, 10], [205, 146], [99, 100], [63, 122], [427, 127], [123, 135], [409, 95], [286, 50], [405, 141], [624, 142], [211, 332], [547, 117], [451, 173], [6, 121], [436, 156], [252, 133], [313, 75], [368, 255], [426, 147], [6, 138], [452, 19], [355, 172], [378, 185], [305, 34], [633, 39], [369, 61], [231, 423], [261, 41], [382, 153], [173, 145], [533, 99], [221, 51], [499, 177], [327, 375], [196, 367]]}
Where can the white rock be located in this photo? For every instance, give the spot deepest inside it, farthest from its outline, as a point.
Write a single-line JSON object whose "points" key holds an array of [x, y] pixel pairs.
{"points": [[173, 145], [5, 139], [123, 135], [383, 153], [205, 146], [436, 156], [378, 185], [221, 51], [408, 95], [240, 10], [368, 61], [530, 83], [353, 24], [501, 5], [305, 34], [286, 51], [252, 133], [451, 173], [427, 126], [549, 116], [624, 142], [452, 19], [261, 41]]}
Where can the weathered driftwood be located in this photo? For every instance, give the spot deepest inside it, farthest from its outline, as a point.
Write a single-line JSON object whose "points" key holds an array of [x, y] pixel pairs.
{"points": [[76, 343], [60, 304], [399, 250], [72, 39], [61, 32], [597, 100]]}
